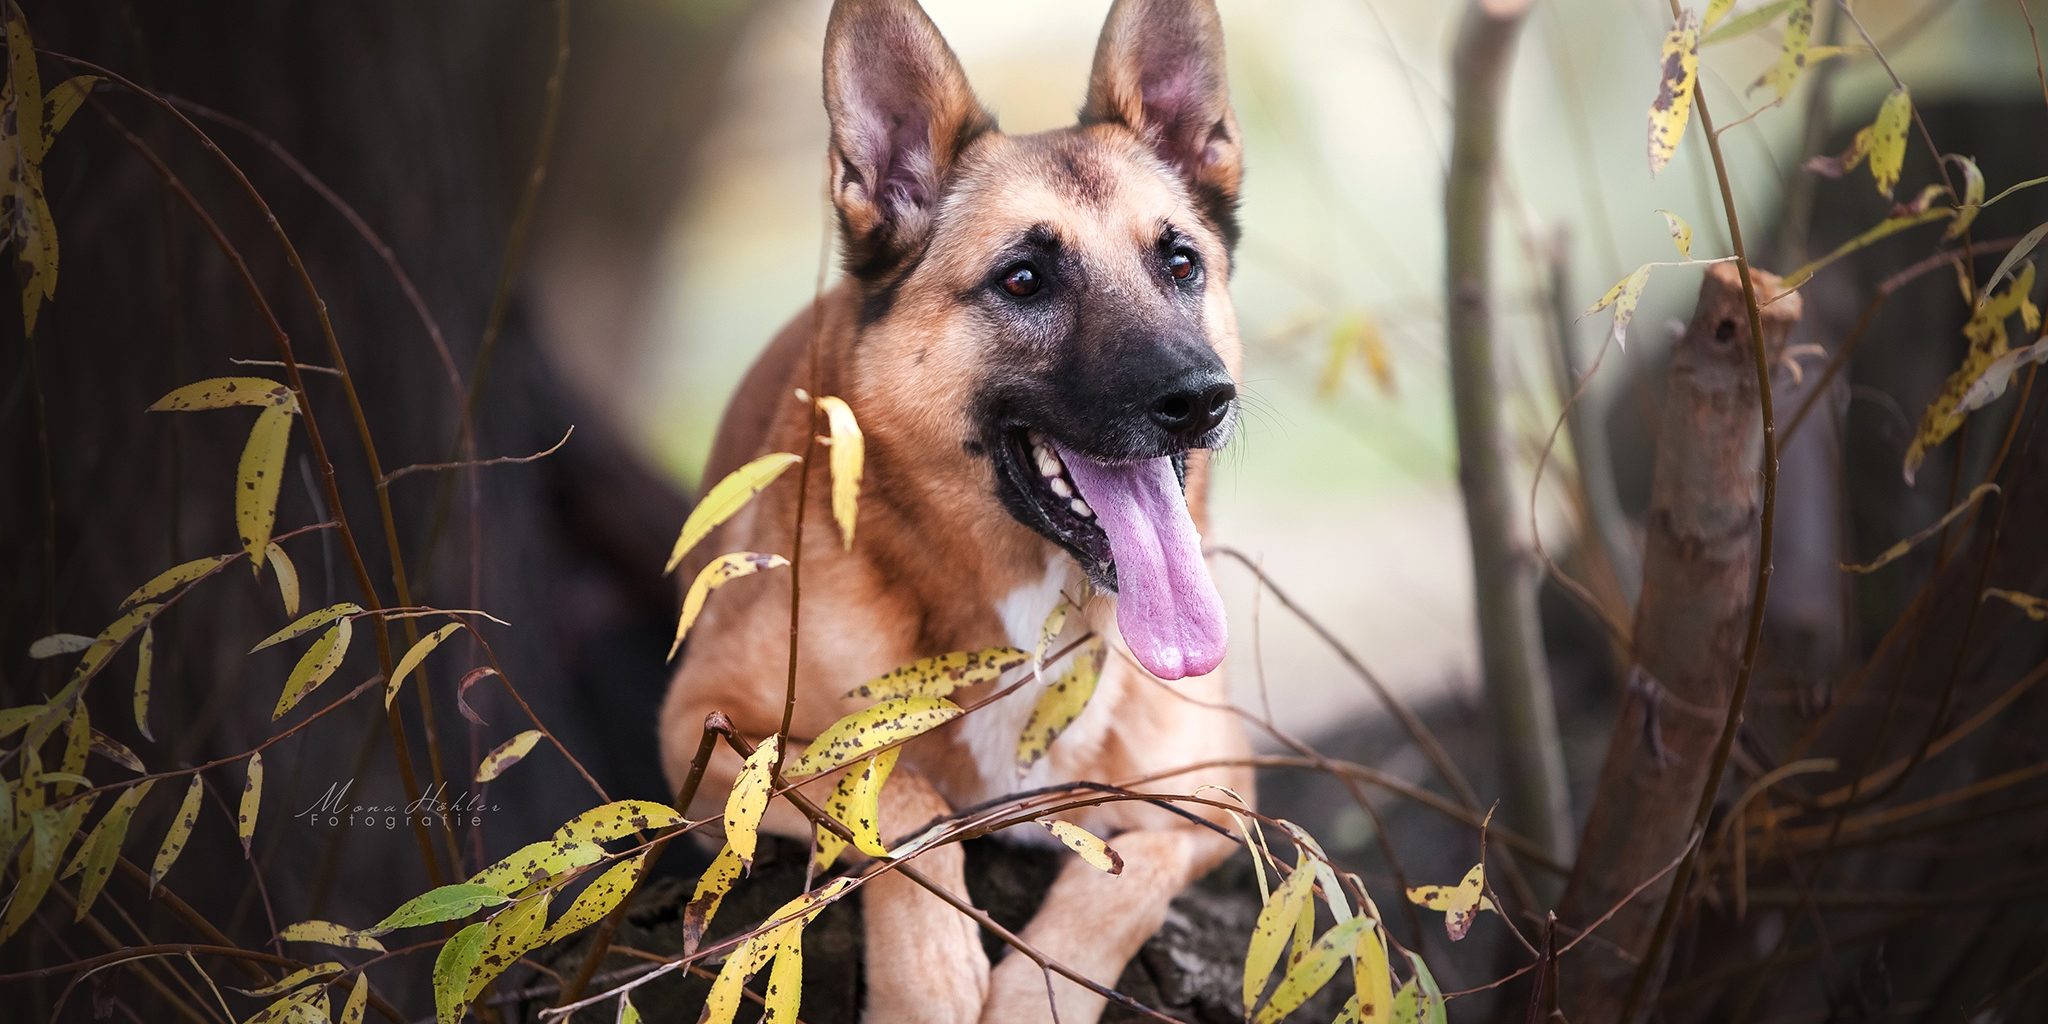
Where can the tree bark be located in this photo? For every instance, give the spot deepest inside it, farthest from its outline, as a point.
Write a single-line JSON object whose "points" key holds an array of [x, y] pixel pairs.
{"points": [[1698, 574]]}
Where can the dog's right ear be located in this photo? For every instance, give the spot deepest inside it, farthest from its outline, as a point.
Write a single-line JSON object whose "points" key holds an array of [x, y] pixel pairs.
{"points": [[901, 112]]}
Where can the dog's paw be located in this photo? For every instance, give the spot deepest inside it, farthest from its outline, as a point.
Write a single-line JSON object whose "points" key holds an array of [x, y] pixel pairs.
{"points": [[945, 980]]}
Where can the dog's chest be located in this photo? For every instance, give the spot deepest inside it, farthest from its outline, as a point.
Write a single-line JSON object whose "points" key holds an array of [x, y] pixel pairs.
{"points": [[989, 735]]}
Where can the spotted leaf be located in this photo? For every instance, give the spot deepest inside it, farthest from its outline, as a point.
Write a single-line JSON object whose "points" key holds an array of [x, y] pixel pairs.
{"points": [[856, 803], [1059, 705], [1973, 195], [600, 897], [1420, 1001], [749, 800], [1372, 977], [618, 819], [328, 933], [1888, 140], [172, 578], [536, 863], [309, 622], [785, 992], [258, 477], [1085, 843], [510, 934], [1986, 333], [452, 968], [252, 802], [870, 729], [296, 978], [503, 756], [1312, 970], [1624, 297], [1276, 923], [447, 903], [1671, 111], [1460, 903], [179, 834], [722, 570], [717, 880], [1681, 233], [102, 847], [46, 839], [2035, 608], [1798, 38], [225, 393], [315, 666], [941, 675], [413, 656]]}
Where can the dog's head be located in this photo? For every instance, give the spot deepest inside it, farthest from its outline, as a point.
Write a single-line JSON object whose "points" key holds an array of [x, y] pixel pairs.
{"points": [[1052, 307]]}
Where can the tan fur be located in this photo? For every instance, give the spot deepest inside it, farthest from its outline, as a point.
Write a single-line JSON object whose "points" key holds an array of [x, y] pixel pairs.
{"points": [[936, 554]]}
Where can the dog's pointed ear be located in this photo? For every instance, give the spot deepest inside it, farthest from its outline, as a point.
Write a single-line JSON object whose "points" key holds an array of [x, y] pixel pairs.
{"points": [[901, 112], [1159, 71]]}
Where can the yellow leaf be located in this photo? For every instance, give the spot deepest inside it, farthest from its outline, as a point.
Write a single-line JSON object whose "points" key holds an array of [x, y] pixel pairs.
{"points": [[627, 1014], [1746, 22], [869, 729], [180, 833], [722, 570], [145, 663], [45, 844], [287, 577], [305, 1006], [1885, 229], [1791, 52], [102, 847], [939, 676], [536, 863], [1897, 551], [1460, 903], [618, 819], [749, 800], [309, 622], [1888, 140], [1059, 704], [1997, 375], [785, 927], [358, 1000], [726, 498], [1085, 843], [1314, 969], [1055, 624], [2035, 608], [785, 992], [327, 933], [718, 880], [172, 578], [452, 968], [412, 658], [1973, 196], [848, 453], [2013, 256], [1356, 335], [1373, 976], [506, 754], [296, 979], [1716, 10], [252, 802], [856, 803], [315, 666], [225, 393], [1671, 111], [597, 899], [508, 935], [1275, 924], [1624, 296], [1681, 232], [27, 86], [257, 480], [1986, 332]]}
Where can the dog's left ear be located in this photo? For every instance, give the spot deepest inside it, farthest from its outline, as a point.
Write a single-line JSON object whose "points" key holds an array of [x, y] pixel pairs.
{"points": [[1159, 71]]}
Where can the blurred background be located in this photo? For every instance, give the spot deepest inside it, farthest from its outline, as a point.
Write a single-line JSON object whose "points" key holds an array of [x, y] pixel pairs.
{"points": [[605, 208]]}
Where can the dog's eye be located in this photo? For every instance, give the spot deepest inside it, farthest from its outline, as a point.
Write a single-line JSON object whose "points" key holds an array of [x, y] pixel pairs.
{"points": [[1021, 281], [1181, 264]]}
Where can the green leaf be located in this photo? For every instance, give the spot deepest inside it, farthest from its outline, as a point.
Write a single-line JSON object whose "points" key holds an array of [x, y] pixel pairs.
{"points": [[447, 903], [452, 968]]}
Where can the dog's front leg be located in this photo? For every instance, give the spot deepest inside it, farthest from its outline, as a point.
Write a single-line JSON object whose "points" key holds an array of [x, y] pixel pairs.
{"points": [[925, 963], [1095, 922]]}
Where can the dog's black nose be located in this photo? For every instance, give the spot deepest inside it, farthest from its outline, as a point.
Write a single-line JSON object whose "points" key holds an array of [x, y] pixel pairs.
{"points": [[1192, 407]]}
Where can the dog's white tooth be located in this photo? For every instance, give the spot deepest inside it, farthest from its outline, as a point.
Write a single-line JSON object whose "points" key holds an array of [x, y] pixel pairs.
{"points": [[1048, 463], [1081, 509], [1061, 487]]}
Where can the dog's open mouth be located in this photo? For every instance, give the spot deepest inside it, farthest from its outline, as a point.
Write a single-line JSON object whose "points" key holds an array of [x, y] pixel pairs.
{"points": [[1128, 526]]}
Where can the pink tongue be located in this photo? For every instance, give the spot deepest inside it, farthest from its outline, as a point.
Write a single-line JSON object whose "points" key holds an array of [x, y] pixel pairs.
{"points": [[1166, 605]]}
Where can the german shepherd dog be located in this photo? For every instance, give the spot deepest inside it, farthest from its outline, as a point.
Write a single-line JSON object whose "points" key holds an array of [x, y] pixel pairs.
{"points": [[1036, 334]]}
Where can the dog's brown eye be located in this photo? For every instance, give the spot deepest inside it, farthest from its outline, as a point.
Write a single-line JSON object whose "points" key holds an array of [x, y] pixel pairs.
{"points": [[1181, 264], [1021, 280]]}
